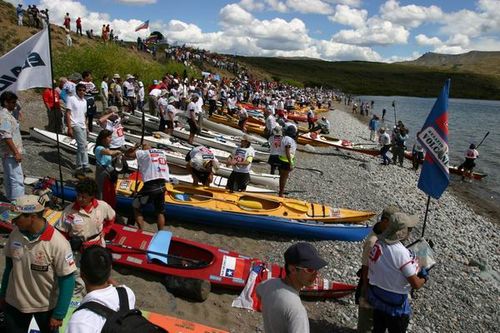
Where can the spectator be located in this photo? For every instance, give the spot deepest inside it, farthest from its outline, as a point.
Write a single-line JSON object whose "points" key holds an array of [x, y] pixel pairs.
{"points": [[79, 26], [51, 99], [105, 175], [69, 40], [38, 280], [104, 92], [90, 93], [67, 22], [373, 126], [11, 147], [20, 14], [76, 109], [129, 93]]}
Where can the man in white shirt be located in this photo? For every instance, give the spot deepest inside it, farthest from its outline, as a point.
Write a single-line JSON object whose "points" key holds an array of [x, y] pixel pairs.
{"points": [[384, 141], [241, 161], [282, 309], [104, 92], [76, 108], [192, 110], [95, 266], [129, 93]]}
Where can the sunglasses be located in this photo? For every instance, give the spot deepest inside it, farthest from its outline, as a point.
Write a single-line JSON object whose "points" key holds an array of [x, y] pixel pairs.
{"points": [[307, 270]]}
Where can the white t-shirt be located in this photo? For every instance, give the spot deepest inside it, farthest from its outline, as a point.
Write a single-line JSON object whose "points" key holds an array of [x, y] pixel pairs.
{"points": [[282, 309], [384, 139], [390, 265], [78, 107], [288, 141], [152, 164], [243, 154], [192, 107], [199, 155], [118, 137], [129, 89], [275, 144], [86, 321], [162, 105], [104, 88], [270, 123], [471, 153], [231, 103]]}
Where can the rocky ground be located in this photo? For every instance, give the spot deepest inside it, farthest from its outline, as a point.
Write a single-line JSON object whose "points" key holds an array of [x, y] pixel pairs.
{"points": [[462, 294]]}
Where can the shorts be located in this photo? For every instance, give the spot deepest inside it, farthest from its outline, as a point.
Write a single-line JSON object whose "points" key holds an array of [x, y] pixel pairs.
{"points": [[169, 124], [238, 181], [274, 160], [284, 165], [201, 175], [193, 128], [153, 192], [469, 164]]}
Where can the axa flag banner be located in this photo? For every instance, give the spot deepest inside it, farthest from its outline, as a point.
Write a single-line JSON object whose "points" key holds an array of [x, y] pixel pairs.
{"points": [[144, 25], [435, 176], [27, 65]]}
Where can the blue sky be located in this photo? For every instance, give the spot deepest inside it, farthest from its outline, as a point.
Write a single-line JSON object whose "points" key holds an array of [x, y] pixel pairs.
{"points": [[372, 30]]}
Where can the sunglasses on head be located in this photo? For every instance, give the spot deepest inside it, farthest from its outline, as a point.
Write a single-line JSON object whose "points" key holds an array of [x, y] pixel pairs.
{"points": [[307, 270]]}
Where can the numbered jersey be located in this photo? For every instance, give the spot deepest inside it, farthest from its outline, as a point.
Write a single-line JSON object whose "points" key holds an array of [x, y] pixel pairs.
{"points": [[152, 164], [275, 144], [118, 137], [243, 154]]}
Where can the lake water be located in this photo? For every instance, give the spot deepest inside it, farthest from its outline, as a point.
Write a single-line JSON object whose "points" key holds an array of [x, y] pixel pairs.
{"points": [[469, 120]]}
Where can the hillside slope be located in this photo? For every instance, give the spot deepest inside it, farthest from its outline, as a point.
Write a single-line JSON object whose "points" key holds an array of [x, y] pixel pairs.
{"points": [[370, 78]]}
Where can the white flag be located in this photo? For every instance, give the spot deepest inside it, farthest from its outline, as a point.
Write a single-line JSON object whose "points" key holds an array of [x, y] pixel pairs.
{"points": [[27, 65]]}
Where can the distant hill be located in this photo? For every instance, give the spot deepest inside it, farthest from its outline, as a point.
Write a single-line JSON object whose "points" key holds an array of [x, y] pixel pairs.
{"points": [[372, 78], [479, 62]]}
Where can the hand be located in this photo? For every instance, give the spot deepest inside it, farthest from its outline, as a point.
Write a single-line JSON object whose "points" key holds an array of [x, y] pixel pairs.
{"points": [[54, 324], [423, 274], [18, 157]]}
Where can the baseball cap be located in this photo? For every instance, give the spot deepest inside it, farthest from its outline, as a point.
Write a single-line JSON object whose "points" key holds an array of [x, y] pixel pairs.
{"points": [[304, 255], [397, 229], [26, 204]]}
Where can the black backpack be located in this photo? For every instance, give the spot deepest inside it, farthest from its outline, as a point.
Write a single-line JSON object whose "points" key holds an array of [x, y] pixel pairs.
{"points": [[125, 320]]}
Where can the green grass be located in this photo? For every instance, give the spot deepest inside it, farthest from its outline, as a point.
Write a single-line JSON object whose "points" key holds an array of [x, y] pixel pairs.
{"points": [[369, 78], [108, 59]]}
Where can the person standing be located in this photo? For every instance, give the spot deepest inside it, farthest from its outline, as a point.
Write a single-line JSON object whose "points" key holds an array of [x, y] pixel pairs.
{"points": [[38, 279], [392, 273], [365, 311], [79, 26], [287, 157], [105, 174], [67, 21], [129, 93], [310, 118], [112, 121], [241, 161], [384, 141], [152, 164], [399, 148], [242, 119], [270, 122], [202, 164], [282, 309], [104, 92], [384, 111], [192, 110], [470, 161], [373, 126], [76, 109], [275, 148], [140, 93], [11, 147], [53, 105], [85, 223], [90, 93], [212, 100], [20, 14]]}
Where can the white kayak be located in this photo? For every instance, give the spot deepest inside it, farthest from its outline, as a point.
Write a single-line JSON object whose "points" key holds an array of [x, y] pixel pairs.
{"points": [[228, 130], [173, 158]]}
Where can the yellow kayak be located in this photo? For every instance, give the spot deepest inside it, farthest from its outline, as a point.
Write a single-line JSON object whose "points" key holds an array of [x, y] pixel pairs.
{"points": [[251, 204]]}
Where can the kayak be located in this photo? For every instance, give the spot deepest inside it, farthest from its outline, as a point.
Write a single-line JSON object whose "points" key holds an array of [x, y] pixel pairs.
{"points": [[239, 215], [218, 181], [218, 121], [213, 123], [314, 138]]}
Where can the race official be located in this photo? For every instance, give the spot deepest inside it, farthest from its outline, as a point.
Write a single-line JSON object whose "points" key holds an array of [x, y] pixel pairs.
{"points": [[38, 279], [241, 161]]}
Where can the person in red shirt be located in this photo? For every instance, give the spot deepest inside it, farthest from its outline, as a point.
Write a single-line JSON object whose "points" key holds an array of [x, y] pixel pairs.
{"points": [[53, 105], [79, 26]]}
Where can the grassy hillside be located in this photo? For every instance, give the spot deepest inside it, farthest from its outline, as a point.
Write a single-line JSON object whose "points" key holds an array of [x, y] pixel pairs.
{"points": [[370, 78], [88, 54]]}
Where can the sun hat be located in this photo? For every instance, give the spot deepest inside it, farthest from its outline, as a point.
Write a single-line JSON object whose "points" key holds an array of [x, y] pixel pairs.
{"points": [[277, 130], [26, 204], [116, 76], [397, 229], [304, 255], [172, 99], [129, 76]]}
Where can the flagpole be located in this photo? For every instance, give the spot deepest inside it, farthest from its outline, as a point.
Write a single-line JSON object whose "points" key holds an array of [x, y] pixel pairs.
{"points": [[57, 123], [394, 107], [425, 217]]}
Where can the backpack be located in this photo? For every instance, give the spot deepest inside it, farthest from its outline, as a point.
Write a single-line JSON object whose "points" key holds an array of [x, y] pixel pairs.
{"points": [[125, 320]]}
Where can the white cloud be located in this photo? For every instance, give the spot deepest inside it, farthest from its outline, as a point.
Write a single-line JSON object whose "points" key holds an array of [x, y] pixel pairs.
{"points": [[332, 50], [348, 16], [413, 56], [310, 6], [277, 5], [423, 40], [136, 2], [350, 3], [375, 32], [471, 23], [411, 15], [234, 15], [251, 5], [278, 34]]}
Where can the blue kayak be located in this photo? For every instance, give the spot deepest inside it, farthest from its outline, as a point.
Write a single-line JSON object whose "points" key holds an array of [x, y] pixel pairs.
{"points": [[269, 224]]}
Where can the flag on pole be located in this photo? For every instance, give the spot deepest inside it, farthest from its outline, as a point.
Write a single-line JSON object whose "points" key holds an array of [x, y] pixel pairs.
{"points": [[27, 65], [144, 25], [435, 176]]}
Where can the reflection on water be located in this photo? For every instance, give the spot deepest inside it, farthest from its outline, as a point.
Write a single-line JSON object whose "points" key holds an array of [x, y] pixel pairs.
{"points": [[469, 121]]}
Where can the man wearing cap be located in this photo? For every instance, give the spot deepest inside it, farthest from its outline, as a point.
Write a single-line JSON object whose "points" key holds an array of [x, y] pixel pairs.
{"points": [[282, 309], [202, 165], [365, 311], [241, 161], [86, 222], [275, 148], [392, 273], [38, 278]]}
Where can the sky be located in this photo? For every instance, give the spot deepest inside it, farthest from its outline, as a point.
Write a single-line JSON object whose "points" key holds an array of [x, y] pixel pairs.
{"points": [[335, 30]]}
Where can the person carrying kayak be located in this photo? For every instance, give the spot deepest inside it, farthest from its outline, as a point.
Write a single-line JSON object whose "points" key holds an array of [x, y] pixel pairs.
{"points": [[470, 161]]}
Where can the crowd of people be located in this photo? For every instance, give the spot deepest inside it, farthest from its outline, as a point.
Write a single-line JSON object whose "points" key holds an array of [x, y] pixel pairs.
{"points": [[35, 17]]}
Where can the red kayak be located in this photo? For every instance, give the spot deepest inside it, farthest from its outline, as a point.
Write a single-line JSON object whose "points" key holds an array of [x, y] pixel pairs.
{"points": [[161, 253], [299, 117]]}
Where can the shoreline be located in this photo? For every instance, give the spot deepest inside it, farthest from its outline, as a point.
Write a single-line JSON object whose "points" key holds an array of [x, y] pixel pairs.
{"points": [[481, 205]]}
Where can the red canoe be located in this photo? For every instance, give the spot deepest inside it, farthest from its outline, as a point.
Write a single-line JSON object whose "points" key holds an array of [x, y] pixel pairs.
{"points": [[184, 258]]}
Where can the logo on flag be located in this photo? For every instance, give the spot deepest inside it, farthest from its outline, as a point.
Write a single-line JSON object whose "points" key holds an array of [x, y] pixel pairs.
{"points": [[435, 176], [144, 25], [27, 65]]}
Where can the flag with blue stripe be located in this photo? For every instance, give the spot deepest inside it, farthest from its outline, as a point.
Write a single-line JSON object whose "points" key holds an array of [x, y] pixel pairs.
{"points": [[435, 176]]}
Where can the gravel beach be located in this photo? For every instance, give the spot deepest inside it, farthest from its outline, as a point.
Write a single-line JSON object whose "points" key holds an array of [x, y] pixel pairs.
{"points": [[462, 294]]}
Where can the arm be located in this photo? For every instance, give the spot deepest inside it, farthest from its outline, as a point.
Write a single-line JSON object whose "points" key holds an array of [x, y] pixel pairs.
{"points": [[68, 122], [288, 155], [110, 152], [5, 277], [13, 149], [415, 281], [66, 285], [104, 118]]}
